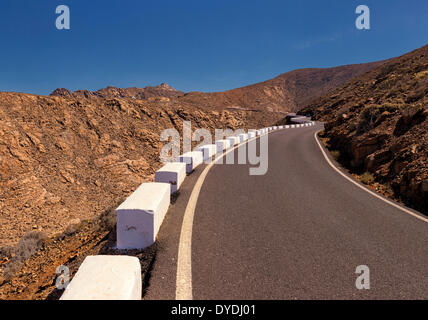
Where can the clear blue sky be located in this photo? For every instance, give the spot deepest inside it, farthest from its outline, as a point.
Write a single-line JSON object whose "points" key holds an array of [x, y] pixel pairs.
{"points": [[194, 45]]}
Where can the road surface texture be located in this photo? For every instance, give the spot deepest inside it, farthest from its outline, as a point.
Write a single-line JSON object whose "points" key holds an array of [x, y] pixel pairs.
{"points": [[298, 232]]}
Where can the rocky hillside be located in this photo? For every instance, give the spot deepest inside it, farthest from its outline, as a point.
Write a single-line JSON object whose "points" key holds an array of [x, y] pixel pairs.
{"points": [[288, 92], [379, 124], [63, 159]]}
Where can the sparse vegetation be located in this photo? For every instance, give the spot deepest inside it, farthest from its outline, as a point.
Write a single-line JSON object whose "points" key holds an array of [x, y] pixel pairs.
{"points": [[372, 115], [17, 254], [107, 220], [421, 74], [366, 178], [27, 270]]}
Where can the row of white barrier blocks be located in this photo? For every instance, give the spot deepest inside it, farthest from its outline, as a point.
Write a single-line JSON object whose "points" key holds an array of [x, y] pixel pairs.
{"points": [[304, 123]]}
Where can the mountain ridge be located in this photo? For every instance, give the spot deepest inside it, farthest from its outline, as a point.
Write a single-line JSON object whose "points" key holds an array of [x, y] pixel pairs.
{"points": [[288, 92], [162, 90]]}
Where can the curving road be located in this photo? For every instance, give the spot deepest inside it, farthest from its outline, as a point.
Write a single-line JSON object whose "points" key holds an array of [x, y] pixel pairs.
{"points": [[298, 232]]}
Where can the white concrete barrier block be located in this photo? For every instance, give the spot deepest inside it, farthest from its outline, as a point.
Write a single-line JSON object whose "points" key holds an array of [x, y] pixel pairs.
{"points": [[251, 135], [140, 216], [287, 127], [172, 173], [293, 125], [208, 151], [106, 278], [233, 140], [192, 159], [242, 137], [222, 145]]}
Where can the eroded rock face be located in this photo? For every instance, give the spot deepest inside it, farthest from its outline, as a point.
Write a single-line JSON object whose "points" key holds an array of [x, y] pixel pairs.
{"points": [[65, 158], [385, 130]]}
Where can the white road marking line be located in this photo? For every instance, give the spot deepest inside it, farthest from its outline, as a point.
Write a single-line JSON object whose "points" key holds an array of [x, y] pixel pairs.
{"points": [[184, 290], [364, 188]]}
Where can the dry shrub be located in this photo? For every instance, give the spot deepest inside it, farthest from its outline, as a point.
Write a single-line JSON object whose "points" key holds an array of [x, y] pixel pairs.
{"points": [[366, 178], [107, 220], [25, 248], [372, 115]]}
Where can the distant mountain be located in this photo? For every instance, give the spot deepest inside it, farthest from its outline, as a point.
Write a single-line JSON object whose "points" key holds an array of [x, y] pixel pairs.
{"points": [[288, 92], [378, 123], [162, 90]]}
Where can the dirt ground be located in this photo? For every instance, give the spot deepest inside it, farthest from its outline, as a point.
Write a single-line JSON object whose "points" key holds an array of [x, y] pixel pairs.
{"points": [[28, 270]]}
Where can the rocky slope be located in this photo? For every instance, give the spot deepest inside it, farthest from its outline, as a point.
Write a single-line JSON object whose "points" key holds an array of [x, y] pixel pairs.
{"points": [[63, 159], [379, 124], [288, 92]]}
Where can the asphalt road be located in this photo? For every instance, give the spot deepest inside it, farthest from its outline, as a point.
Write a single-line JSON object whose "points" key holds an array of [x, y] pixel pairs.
{"points": [[298, 232]]}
